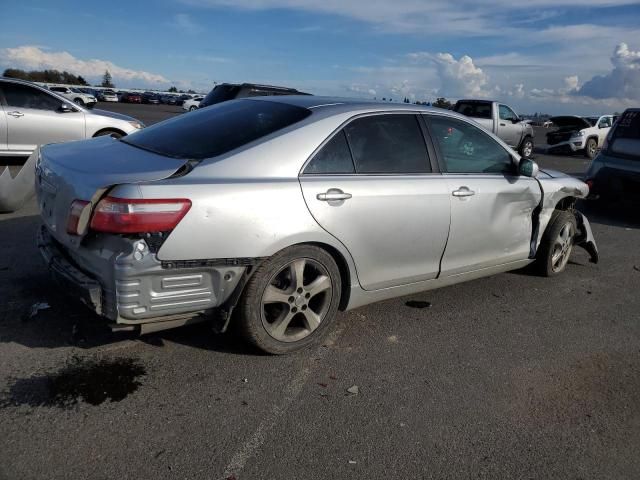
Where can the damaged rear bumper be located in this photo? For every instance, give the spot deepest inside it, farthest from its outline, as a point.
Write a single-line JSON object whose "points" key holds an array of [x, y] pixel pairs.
{"points": [[132, 288]]}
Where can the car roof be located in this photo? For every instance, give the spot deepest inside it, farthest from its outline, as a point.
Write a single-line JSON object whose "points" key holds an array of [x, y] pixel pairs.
{"points": [[335, 105]]}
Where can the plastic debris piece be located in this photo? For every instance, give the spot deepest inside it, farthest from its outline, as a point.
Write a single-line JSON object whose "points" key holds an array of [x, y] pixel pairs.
{"points": [[354, 390], [636, 268], [36, 307], [418, 304], [352, 462], [324, 385], [245, 380]]}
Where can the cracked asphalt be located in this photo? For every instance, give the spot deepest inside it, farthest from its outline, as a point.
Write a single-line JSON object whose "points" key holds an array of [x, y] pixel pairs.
{"points": [[513, 376]]}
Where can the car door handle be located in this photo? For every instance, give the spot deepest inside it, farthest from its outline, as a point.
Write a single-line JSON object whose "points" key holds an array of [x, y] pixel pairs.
{"points": [[463, 192], [503, 124], [16, 114], [333, 195]]}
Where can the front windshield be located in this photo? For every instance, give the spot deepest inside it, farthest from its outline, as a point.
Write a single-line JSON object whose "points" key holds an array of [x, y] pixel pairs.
{"points": [[592, 120]]}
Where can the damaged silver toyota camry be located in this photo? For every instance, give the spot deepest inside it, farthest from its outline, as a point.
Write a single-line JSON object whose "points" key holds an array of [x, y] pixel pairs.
{"points": [[276, 212]]}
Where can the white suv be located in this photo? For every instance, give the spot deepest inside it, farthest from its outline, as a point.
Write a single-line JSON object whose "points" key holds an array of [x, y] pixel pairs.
{"points": [[193, 103], [575, 134], [75, 95]]}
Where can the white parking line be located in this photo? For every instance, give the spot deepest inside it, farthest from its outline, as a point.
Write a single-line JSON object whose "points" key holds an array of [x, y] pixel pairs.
{"points": [[292, 391]]}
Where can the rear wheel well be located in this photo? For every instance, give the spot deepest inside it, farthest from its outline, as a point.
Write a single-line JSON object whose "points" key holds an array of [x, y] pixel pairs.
{"points": [[343, 267], [106, 131]]}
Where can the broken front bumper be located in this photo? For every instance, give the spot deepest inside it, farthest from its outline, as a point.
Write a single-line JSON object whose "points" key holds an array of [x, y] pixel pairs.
{"points": [[122, 280], [585, 238]]}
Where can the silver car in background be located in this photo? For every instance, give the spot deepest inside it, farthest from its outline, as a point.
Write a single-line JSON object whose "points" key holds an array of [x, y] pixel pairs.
{"points": [[284, 210], [31, 115]]}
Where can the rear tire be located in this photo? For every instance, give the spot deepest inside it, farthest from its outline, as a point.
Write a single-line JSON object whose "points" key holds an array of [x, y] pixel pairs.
{"points": [[591, 149], [192, 108], [526, 148], [291, 300], [556, 244], [78, 101]]}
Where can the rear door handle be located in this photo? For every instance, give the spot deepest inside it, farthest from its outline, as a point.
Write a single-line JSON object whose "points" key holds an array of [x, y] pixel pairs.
{"points": [[463, 192], [16, 114], [503, 124], [333, 195]]}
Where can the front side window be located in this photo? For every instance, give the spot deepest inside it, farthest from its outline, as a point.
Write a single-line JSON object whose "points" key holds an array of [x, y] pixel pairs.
{"points": [[474, 109], [24, 96], [604, 122], [506, 113], [467, 149], [334, 158], [388, 144]]}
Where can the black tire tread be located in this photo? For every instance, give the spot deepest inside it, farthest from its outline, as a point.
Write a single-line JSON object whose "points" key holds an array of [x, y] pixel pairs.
{"points": [[559, 218]]}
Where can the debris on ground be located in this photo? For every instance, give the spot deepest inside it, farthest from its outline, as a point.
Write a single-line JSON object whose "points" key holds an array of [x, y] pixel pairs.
{"points": [[333, 377], [245, 380], [636, 268], [418, 304], [352, 462], [35, 308], [354, 390], [323, 385]]}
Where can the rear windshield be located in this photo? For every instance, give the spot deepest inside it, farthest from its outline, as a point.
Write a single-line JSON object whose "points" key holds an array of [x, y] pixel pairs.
{"points": [[217, 130], [474, 109], [625, 139], [221, 93]]}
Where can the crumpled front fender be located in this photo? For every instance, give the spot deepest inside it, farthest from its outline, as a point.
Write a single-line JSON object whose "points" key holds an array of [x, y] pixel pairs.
{"points": [[15, 192], [584, 238]]}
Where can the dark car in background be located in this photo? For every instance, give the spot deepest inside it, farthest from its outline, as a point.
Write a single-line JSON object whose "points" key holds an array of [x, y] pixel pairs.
{"points": [[150, 98], [615, 173], [131, 97], [168, 99], [230, 91]]}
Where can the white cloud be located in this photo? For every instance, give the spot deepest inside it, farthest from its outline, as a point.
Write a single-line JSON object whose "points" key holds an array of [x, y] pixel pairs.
{"points": [[457, 77], [31, 58], [571, 82], [622, 82], [184, 22]]}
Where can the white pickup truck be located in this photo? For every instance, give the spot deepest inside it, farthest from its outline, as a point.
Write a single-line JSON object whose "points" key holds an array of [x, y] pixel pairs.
{"points": [[575, 134], [501, 120]]}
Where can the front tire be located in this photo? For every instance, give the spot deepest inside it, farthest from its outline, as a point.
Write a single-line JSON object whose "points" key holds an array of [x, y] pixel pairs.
{"points": [[591, 148], [192, 108], [112, 133], [526, 149], [291, 300], [78, 101], [556, 244]]}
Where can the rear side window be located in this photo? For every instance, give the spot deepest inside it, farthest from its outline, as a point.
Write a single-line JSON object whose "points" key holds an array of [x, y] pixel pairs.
{"points": [[24, 96], [221, 93], [217, 130], [506, 113], [388, 144], [625, 138], [474, 109], [333, 158]]}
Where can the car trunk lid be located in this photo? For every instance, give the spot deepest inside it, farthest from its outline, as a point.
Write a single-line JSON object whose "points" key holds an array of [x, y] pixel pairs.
{"points": [[85, 170]]}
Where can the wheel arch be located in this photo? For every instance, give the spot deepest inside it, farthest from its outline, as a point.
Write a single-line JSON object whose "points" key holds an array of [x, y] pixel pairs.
{"points": [[343, 268], [109, 129], [594, 137]]}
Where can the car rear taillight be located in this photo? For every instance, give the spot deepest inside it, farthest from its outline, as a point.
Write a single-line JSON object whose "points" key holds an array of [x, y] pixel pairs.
{"points": [[73, 220], [589, 184], [126, 215]]}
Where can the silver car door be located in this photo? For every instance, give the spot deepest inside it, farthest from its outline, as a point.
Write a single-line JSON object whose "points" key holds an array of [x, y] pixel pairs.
{"points": [[383, 203], [508, 131], [491, 206], [3, 127], [34, 118]]}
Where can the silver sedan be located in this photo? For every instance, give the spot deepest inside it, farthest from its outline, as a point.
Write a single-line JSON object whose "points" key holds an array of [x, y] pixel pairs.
{"points": [[276, 212]]}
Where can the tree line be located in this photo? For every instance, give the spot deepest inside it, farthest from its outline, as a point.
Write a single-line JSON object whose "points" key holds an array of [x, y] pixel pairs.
{"points": [[46, 76]]}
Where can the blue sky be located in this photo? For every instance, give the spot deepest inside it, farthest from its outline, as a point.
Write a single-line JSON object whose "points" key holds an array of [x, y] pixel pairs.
{"points": [[556, 56]]}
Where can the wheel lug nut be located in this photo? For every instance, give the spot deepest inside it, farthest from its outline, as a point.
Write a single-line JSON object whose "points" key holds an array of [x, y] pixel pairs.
{"points": [[308, 295], [304, 307], [300, 290], [294, 309], [291, 299]]}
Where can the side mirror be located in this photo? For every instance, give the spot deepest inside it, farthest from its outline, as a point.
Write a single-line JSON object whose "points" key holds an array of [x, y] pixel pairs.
{"points": [[528, 168], [66, 108], [515, 120]]}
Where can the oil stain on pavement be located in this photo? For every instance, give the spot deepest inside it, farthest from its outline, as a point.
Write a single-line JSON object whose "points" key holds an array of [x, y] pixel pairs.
{"points": [[93, 381]]}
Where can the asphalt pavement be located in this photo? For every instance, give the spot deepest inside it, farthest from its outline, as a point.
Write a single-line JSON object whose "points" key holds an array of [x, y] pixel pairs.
{"points": [[513, 376]]}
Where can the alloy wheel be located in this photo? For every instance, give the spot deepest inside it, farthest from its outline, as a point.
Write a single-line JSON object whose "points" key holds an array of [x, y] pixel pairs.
{"points": [[562, 248], [296, 300]]}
